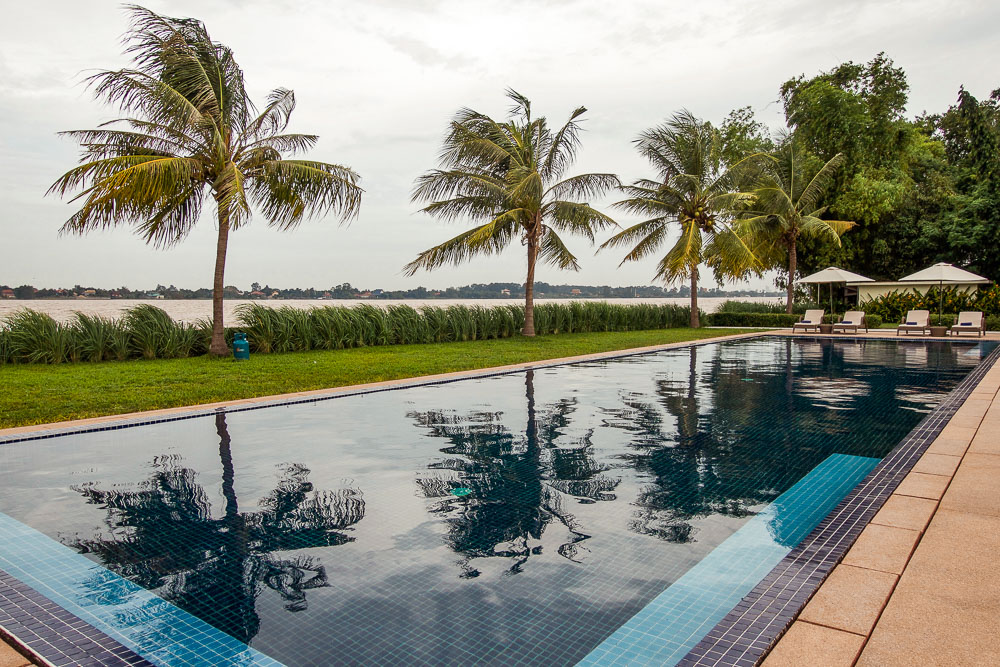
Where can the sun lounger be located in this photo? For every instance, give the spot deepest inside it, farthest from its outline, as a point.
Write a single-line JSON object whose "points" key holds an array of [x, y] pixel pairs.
{"points": [[853, 319], [811, 320], [916, 320], [969, 322]]}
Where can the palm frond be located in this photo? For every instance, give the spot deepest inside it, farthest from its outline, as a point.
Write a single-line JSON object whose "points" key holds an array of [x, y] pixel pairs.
{"points": [[289, 191], [554, 252]]}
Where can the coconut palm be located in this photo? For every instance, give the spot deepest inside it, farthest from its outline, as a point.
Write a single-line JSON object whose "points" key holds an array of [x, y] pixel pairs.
{"points": [[692, 189], [190, 130], [508, 177], [786, 208]]}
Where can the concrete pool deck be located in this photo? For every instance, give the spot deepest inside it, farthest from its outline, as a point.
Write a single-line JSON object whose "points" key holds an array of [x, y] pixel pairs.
{"points": [[917, 588]]}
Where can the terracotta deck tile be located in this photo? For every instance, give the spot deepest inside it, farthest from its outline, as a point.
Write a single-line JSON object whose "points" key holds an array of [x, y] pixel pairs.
{"points": [[851, 599], [987, 441], [11, 658], [906, 512], [962, 432], [815, 646], [937, 464], [883, 548], [949, 446], [975, 488], [974, 407], [921, 485], [946, 607]]}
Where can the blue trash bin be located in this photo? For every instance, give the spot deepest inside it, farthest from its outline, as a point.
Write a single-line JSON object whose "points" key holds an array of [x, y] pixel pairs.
{"points": [[241, 348]]}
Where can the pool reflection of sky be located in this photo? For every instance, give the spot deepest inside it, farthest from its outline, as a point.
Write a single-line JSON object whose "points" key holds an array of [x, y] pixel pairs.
{"points": [[516, 518]]}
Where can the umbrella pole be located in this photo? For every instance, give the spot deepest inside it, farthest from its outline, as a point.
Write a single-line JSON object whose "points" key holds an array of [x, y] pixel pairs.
{"points": [[940, 299]]}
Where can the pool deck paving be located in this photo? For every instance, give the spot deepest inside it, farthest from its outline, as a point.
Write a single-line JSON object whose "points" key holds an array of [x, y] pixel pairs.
{"points": [[919, 587]]}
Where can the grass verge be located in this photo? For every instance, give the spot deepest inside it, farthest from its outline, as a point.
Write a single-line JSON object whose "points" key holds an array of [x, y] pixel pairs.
{"points": [[37, 394]]}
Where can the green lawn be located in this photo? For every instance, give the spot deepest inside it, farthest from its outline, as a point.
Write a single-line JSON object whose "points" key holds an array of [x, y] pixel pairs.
{"points": [[39, 394]]}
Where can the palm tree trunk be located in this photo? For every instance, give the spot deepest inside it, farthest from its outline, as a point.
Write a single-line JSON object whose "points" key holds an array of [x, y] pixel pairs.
{"points": [[695, 322], [218, 347], [793, 261], [529, 288]]}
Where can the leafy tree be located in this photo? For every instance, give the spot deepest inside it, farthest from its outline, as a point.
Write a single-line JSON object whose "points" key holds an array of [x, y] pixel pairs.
{"points": [[896, 183], [508, 176], [694, 190], [971, 134], [192, 130], [743, 135], [786, 208]]}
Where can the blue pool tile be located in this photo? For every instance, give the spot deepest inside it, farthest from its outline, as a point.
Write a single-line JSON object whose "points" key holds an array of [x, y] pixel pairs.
{"points": [[676, 620], [140, 620]]}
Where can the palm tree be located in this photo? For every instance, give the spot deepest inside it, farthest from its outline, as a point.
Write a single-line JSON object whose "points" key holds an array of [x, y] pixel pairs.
{"points": [[694, 190], [191, 128], [506, 177], [785, 209]]}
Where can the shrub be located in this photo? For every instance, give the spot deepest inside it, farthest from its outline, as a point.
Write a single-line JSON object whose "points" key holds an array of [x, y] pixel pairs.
{"points": [[733, 306], [892, 307], [753, 319], [37, 338]]}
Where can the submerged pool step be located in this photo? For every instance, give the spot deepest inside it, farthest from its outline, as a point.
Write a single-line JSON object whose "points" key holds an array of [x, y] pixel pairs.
{"points": [[676, 620], [155, 629]]}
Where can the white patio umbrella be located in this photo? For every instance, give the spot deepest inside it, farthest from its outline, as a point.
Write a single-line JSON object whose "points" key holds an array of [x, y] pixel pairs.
{"points": [[833, 275], [942, 273]]}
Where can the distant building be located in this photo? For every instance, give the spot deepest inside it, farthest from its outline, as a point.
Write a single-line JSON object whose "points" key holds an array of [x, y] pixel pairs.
{"points": [[575, 292], [7, 294], [90, 292], [505, 292], [256, 294]]}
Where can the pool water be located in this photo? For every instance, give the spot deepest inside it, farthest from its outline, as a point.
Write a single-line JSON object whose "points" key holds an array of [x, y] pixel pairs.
{"points": [[518, 519]]}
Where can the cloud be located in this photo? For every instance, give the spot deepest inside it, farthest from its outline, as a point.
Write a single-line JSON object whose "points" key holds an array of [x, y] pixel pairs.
{"points": [[379, 80]]}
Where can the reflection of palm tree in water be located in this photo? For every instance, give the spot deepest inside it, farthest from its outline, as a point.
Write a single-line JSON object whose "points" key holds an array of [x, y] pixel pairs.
{"points": [[691, 471], [164, 538], [518, 484]]}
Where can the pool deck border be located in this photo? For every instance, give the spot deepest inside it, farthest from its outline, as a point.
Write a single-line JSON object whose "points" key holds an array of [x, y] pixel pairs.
{"points": [[743, 638]]}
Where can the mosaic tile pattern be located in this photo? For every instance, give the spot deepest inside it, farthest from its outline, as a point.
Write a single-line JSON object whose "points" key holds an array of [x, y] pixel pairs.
{"points": [[669, 626], [57, 636], [745, 635], [111, 604]]}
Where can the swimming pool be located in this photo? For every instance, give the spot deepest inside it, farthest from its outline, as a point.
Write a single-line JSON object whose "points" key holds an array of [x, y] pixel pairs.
{"points": [[538, 517]]}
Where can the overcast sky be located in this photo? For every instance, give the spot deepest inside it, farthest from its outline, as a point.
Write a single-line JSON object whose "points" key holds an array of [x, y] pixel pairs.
{"points": [[379, 79]]}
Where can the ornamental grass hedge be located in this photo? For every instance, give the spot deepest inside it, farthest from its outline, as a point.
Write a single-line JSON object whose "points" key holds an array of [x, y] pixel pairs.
{"points": [[148, 332]]}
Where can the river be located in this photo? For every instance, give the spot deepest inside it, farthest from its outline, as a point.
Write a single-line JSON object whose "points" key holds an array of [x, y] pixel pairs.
{"points": [[189, 310]]}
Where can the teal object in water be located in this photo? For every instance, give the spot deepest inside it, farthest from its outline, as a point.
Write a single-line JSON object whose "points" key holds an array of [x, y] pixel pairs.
{"points": [[461, 491], [241, 348]]}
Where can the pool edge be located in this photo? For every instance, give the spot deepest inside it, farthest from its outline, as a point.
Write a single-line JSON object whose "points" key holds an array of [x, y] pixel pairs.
{"points": [[745, 636]]}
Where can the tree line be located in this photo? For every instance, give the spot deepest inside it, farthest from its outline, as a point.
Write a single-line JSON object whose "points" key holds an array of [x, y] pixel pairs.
{"points": [[736, 198]]}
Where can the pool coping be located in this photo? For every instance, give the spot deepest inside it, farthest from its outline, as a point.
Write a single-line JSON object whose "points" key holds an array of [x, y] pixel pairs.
{"points": [[108, 651]]}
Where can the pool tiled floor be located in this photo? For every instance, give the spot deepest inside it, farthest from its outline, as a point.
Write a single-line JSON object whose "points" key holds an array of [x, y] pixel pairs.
{"points": [[943, 608]]}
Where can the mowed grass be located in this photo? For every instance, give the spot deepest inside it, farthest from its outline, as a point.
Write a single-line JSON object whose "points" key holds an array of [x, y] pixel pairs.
{"points": [[39, 394]]}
